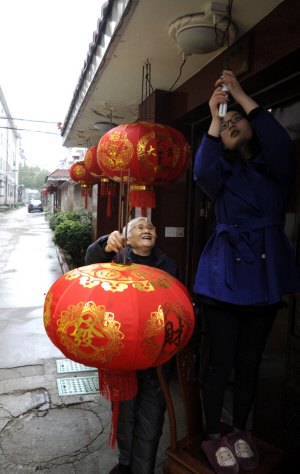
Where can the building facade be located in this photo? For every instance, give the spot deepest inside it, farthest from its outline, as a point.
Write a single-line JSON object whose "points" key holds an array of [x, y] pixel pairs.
{"points": [[265, 55], [9, 156]]}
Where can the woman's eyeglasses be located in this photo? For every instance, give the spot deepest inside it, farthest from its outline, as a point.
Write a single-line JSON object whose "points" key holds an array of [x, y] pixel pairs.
{"points": [[234, 119], [142, 228]]}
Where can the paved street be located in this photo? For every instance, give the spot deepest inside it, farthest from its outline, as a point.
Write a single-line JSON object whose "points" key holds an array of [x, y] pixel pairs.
{"points": [[39, 430]]}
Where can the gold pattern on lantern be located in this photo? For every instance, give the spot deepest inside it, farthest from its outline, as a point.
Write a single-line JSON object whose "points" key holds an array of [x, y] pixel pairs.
{"points": [[154, 327], [79, 171], [116, 153], [88, 159], [115, 279], [166, 156], [117, 179], [47, 313], [175, 336], [89, 332]]}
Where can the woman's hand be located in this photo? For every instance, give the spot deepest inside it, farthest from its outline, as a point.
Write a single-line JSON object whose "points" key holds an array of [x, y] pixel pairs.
{"points": [[115, 242], [236, 91], [218, 97]]}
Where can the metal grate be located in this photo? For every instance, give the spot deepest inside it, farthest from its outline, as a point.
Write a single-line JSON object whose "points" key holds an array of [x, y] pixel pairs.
{"points": [[67, 365], [78, 386]]}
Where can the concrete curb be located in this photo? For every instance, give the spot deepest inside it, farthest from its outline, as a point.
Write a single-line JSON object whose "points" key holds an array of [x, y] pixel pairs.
{"points": [[62, 261]]}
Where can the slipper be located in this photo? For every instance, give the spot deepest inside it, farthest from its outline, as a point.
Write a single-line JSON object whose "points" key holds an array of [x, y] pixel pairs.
{"points": [[221, 456], [244, 449]]}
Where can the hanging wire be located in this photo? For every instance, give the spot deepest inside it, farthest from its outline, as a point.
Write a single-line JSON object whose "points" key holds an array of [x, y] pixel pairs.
{"points": [[147, 89], [180, 71], [28, 120], [25, 130], [225, 34]]}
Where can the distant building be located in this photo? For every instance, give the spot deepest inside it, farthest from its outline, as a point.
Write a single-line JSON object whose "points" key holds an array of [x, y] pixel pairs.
{"points": [[72, 155], [9, 156]]}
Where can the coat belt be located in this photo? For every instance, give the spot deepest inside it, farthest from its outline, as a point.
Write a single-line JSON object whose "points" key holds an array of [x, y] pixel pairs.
{"points": [[241, 237]]}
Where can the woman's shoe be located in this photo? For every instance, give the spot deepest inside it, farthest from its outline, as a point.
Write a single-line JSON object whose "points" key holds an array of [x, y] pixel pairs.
{"points": [[120, 469], [245, 450], [221, 456]]}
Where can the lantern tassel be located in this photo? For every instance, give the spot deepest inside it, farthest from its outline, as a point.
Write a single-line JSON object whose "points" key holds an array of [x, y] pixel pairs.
{"points": [[114, 424], [116, 386], [141, 198]]}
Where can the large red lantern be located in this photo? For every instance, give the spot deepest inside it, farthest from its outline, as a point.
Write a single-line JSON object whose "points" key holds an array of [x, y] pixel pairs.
{"points": [[119, 319], [156, 154], [108, 188]]}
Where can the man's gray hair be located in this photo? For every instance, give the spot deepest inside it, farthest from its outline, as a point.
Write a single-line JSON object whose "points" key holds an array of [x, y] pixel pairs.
{"points": [[132, 223]]}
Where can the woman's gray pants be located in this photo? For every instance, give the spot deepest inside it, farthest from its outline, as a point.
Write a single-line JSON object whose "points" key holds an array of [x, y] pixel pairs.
{"points": [[140, 426]]}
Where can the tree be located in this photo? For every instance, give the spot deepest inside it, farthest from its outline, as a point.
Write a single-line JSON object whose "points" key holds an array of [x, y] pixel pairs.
{"points": [[32, 176]]}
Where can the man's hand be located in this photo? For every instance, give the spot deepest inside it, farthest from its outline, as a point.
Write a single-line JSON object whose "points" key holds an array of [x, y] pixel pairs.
{"points": [[115, 242]]}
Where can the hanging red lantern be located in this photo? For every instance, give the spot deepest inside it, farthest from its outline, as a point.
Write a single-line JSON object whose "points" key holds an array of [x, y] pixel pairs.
{"points": [[108, 188], [91, 164], [80, 175], [156, 154], [50, 189], [119, 319]]}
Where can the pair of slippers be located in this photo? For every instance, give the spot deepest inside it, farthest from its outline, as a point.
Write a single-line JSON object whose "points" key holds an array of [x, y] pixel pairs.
{"points": [[230, 453]]}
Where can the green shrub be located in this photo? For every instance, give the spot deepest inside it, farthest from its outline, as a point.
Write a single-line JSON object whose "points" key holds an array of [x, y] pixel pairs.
{"points": [[84, 215], [61, 217], [74, 237], [81, 215]]}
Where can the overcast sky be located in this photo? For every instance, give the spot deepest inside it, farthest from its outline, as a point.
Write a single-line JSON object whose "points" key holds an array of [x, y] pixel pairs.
{"points": [[43, 45]]}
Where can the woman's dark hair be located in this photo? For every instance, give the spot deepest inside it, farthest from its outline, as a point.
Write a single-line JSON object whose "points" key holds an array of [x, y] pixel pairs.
{"points": [[233, 156]]}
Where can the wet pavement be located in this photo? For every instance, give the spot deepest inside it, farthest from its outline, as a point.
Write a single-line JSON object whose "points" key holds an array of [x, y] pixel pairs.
{"points": [[41, 431]]}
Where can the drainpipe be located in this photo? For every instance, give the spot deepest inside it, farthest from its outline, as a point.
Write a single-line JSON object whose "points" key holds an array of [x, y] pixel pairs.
{"points": [[6, 181]]}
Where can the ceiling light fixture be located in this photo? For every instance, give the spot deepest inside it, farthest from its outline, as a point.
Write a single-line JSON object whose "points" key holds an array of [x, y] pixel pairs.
{"points": [[105, 126], [203, 33]]}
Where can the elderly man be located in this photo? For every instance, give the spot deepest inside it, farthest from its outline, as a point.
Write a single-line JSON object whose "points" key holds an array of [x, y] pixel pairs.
{"points": [[141, 419]]}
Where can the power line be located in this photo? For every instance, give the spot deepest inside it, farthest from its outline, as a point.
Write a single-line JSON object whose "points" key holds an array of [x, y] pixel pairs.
{"points": [[25, 130], [27, 120]]}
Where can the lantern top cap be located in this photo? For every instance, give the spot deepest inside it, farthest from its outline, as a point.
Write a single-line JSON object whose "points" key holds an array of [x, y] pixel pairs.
{"points": [[117, 264]]}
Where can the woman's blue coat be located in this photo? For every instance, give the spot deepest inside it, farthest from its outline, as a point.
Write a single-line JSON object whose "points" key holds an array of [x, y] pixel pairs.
{"points": [[248, 259]]}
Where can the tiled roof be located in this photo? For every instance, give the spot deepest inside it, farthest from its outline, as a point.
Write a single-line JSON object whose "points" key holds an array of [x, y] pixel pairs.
{"points": [[60, 173]]}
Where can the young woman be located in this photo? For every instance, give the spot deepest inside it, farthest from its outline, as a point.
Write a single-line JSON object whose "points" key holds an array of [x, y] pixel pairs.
{"points": [[247, 166]]}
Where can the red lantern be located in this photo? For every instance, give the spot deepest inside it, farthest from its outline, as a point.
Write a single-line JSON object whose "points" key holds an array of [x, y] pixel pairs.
{"points": [[156, 154], [91, 164], [107, 187], [118, 318], [80, 175], [50, 189]]}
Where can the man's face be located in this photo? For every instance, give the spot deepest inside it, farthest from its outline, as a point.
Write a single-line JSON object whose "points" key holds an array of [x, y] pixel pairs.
{"points": [[143, 237]]}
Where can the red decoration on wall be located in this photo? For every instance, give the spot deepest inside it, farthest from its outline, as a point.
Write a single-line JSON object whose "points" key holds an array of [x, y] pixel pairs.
{"points": [[50, 189], [156, 154], [119, 319]]}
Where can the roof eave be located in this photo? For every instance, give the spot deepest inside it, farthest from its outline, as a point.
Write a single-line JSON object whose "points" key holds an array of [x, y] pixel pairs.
{"points": [[116, 17]]}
